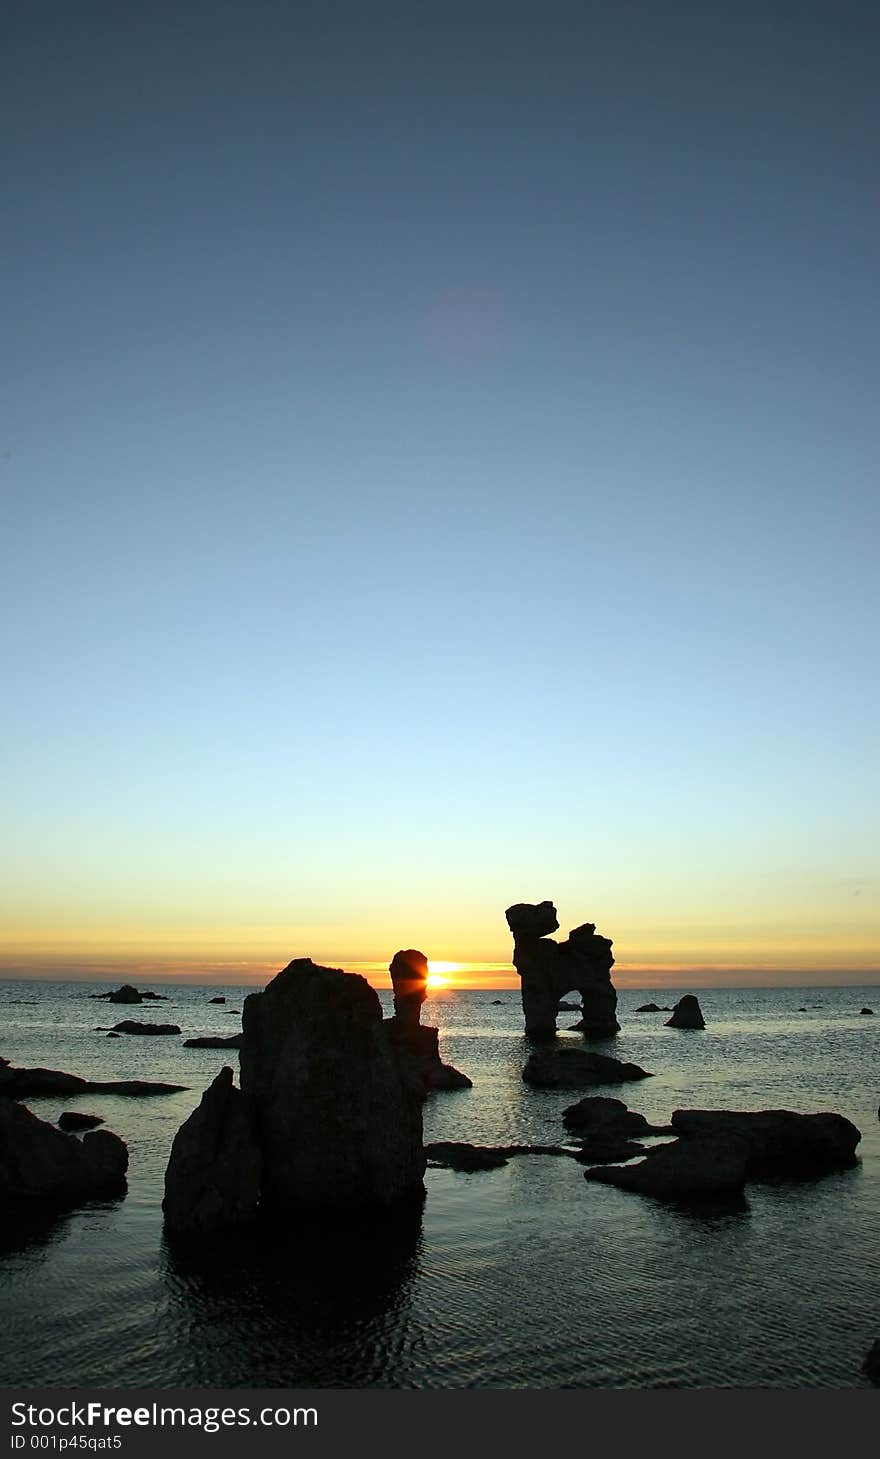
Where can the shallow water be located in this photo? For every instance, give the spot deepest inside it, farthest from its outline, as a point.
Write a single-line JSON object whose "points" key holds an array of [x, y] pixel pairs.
{"points": [[526, 1276]]}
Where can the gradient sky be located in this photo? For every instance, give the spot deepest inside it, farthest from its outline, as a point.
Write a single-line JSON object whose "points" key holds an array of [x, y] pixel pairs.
{"points": [[439, 470]]}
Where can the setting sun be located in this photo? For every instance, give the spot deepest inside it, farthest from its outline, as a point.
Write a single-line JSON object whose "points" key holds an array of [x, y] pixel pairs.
{"points": [[438, 973]]}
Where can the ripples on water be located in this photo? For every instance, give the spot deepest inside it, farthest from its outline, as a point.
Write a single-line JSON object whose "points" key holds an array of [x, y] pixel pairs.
{"points": [[521, 1277]]}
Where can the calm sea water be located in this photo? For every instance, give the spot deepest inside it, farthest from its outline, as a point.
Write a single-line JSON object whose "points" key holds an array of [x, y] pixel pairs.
{"points": [[524, 1277]]}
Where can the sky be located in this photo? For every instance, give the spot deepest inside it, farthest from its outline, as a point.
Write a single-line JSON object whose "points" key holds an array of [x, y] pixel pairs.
{"points": [[439, 471]]}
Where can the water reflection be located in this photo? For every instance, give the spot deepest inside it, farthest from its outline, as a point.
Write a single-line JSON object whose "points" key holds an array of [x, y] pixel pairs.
{"points": [[318, 1302]]}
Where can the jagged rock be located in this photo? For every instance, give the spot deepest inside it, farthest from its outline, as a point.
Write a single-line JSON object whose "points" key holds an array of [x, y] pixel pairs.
{"points": [[213, 1177], [577, 1069], [216, 1000], [649, 1008], [686, 1014], [214, 1041], [337, 1117], [778, 1141], [131, 1026], [871, 1363], [28, 1083], [866, 1010], [706, 1167], [71, 1119], [599, 1118], [417, 1043], [37, 1161], [548, 970]]}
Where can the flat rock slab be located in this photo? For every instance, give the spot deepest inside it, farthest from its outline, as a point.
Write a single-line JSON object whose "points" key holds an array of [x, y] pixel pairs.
{"points": [[210, 1041], [577, 1069], [29, 1083], [683, 1170], [130, 1025], [462, 1156], [777, 1140]]}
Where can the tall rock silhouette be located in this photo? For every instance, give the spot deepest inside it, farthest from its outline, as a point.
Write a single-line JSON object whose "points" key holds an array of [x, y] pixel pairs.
{"points": [[337, 1115]]}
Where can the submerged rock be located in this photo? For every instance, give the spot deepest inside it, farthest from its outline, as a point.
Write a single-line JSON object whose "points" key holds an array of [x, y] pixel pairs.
{"points": [[71, 1119], [648, 1008], [131, 1026], [459, 1155], [777, 1140], [548, 970], [216, 1000], [705, 1167], [336, 1115], [214, 1041], [577, 1069], [866, 1010], [213, 1177], [686, 1014], [40, 1162]]}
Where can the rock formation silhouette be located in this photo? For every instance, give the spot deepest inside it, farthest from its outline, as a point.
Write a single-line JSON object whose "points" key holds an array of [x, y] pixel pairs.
{"points": [[417, 1042], [687, 1013], [549, 970]]}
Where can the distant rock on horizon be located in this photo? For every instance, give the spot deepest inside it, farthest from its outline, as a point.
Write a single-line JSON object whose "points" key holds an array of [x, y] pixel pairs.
{"points": [[687, 1013]]}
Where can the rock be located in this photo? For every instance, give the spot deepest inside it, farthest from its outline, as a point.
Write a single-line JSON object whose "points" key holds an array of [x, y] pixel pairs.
{"points": [[597, 1117], [212, 1181], [778, 1141], [459, 1155], [866, 1010], [704, 1167], [214, 1041], [871, 1364], [71, 1119], [29, 1083], [609, 1152], [577, 1069], [129, 1025], [125, 994], [413, 1042], [649, 1008], [409, 979], [568, 1007], [216, 1000], [112, 1035], [337, 1116], [686, 1014], [497, 1002], [548, 970], [39, 1162]]}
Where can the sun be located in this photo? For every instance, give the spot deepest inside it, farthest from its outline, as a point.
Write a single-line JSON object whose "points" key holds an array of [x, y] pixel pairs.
{"points": [[438, 973]]}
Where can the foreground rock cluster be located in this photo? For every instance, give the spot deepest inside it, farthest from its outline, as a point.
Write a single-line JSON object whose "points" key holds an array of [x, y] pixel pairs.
{"points": [[328, 1117], [549, 970], [40, 1162]]}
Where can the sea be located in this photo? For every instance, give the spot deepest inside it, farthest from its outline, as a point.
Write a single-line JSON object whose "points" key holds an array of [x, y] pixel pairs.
{"points": [[524, 1277]]}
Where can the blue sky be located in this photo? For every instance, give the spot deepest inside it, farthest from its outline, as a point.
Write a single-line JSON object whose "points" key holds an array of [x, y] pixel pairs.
{"points": [[439, 470]]}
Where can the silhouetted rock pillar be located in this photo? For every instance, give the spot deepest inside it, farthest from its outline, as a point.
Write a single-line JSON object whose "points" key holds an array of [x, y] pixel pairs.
{"points": [[548, 970], [409, 979], [414, 1041]]}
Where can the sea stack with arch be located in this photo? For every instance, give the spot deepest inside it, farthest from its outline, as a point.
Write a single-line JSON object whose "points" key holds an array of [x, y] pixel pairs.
{"points": [[549, 970]]}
